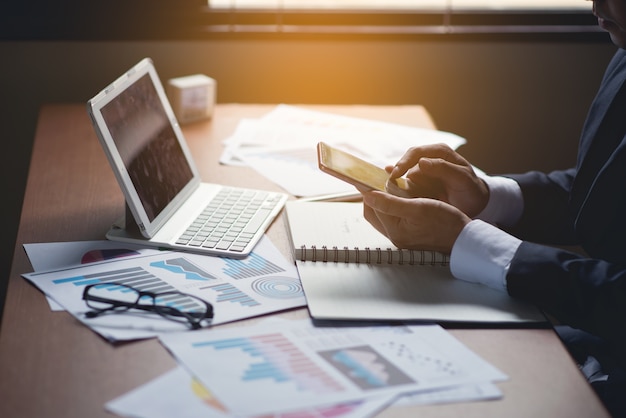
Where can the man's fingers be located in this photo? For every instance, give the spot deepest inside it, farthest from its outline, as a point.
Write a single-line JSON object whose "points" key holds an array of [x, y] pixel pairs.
{"points": [[412, 156], [439, 169], [387, 204]]}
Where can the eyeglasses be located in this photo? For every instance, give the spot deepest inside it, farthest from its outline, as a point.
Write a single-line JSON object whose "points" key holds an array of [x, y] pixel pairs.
{"points": [[105, 298]]}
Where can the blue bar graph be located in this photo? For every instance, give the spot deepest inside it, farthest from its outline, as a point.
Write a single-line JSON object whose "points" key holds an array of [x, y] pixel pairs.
{"points": [[226, 292], [252, 266], [137, 278], [274, 358], [120, 276]]}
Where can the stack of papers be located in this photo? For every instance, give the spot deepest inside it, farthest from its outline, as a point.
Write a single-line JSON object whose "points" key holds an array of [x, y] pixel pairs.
{"points": [[282, 146], [262, 283], [292, 368], [283, 367]]}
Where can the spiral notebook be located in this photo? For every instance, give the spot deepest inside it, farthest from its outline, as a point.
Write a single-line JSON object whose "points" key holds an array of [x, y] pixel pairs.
{"points": [[349, 271]]}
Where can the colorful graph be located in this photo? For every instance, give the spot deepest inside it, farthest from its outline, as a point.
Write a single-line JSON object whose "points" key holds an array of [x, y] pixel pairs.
{"points": [[206, 396], [106, 254], [278, 287], [252, 266], [184, 267], [275, 358], [226, 292], [139, 279], [366, 367]]}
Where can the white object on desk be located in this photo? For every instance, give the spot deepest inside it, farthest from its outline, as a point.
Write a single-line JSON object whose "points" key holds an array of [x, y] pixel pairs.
{"points": [[349, 271], [281, 146], [192, 97], [293, 365], [262, 283]]}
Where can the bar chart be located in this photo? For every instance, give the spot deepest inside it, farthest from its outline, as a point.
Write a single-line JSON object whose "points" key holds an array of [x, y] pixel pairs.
{"points": [[252, 266], [273, 358], [226, 292], [137, 278]]}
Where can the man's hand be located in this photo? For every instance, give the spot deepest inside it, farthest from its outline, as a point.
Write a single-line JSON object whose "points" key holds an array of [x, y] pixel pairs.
{"points": [[439, 172], [417, 223]]}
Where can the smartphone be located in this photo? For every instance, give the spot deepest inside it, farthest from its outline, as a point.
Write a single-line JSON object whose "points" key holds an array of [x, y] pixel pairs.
{"points": [[359, 172]]}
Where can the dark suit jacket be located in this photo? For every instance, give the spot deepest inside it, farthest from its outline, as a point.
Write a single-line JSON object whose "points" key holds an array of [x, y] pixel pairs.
{"points": [[583, 206]]}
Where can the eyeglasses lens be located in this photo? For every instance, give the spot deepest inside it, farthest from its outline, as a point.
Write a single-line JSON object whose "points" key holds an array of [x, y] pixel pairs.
{"points": [[111, 295]]}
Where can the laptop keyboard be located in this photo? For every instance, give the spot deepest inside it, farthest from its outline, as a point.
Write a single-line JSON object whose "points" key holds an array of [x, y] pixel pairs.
{"points": [[231, 220]]}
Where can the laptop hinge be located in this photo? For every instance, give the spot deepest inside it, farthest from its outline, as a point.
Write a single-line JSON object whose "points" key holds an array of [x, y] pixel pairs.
{"points": [[130, 225]]}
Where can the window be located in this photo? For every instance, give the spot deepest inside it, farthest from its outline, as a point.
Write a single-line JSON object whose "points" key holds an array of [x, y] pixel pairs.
{"points": [[286, 19], [403, 17], [414, 5]]}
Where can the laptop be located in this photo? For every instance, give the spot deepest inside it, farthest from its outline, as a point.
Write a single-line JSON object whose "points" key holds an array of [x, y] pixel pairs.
{"points": [[168, 205]]}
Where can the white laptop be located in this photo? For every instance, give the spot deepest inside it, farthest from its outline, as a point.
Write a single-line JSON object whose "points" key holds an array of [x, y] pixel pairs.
{"points": [[167, 203]]}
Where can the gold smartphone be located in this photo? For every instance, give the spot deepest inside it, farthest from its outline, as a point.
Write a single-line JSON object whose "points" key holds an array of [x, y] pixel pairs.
{"points": [[359, 172]]}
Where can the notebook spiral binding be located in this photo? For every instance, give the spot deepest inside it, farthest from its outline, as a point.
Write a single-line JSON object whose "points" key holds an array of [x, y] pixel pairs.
{"points": [[369, 255]]}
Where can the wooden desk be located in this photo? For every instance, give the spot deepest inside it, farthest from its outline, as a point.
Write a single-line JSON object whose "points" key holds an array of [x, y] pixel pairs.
{"points": [[52, 366]]}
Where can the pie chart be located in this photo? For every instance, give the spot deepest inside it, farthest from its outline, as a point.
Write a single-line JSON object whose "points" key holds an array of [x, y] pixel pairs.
{"points": [[106, 254]]}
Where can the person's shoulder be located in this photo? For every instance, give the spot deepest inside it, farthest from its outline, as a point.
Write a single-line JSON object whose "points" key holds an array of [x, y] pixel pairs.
{"points": [[617, 66], [620, 57]]}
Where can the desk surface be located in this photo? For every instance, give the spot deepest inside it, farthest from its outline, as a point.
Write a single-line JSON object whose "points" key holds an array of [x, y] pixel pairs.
{"points": [[52, 366]]}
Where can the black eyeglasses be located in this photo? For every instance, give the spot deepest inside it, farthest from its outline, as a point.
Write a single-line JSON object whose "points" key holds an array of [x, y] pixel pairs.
{"points": [[105, 298]]}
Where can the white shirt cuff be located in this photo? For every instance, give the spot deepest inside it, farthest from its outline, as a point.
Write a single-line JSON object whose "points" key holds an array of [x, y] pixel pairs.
{"points": [[482, 254], [506, 202]]}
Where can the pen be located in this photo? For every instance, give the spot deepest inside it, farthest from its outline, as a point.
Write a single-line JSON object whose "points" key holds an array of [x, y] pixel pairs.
{"points": [[352, 196]]}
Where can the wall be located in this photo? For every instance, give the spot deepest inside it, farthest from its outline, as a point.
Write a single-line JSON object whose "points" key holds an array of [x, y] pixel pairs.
{"points": [[520, 105]]}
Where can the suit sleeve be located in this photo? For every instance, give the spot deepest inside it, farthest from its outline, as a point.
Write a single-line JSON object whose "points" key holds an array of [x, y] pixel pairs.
{"points": [[583, 292], [546, 216]]}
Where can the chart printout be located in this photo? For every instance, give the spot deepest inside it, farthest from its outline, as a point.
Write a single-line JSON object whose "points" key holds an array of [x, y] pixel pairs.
{"points": [[294, 365], [263, 282]]}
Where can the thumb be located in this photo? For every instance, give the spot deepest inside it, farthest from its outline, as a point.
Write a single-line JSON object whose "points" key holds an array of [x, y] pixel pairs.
{"points": [[387, 203]]}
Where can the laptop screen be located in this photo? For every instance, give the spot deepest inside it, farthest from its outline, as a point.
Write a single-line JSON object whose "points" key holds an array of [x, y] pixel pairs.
{"points": [[147, 144]]}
